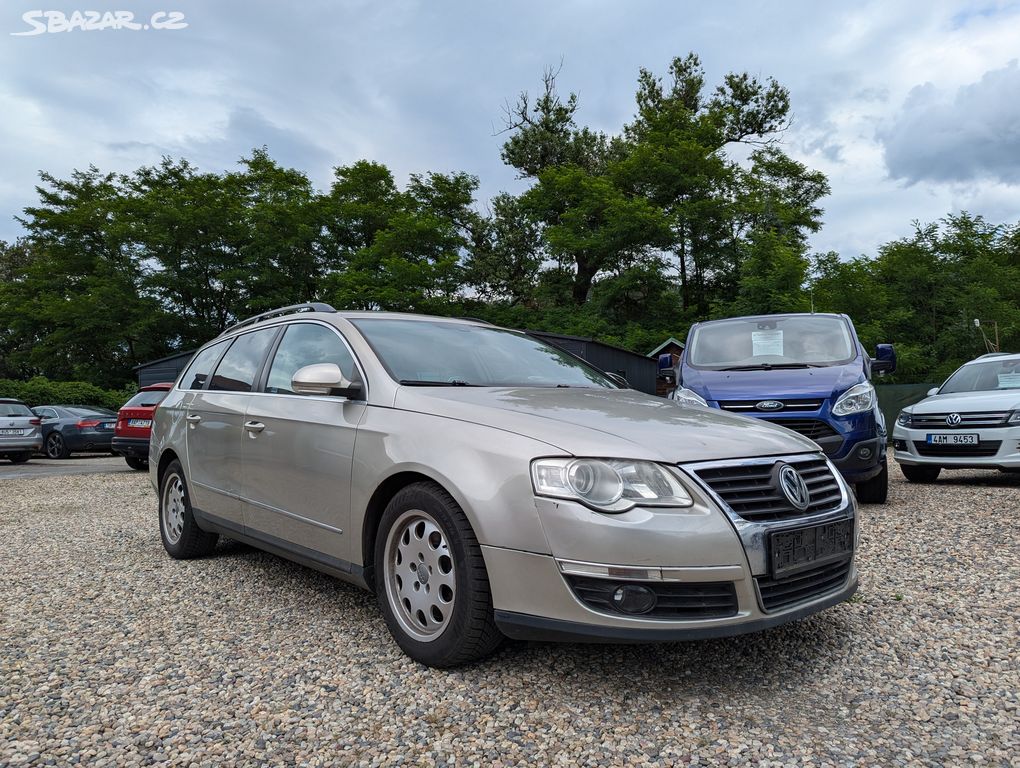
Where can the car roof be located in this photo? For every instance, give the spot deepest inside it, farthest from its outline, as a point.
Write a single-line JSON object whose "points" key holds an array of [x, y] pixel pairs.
{"points": [[9, 400], [998, 356], [772, 316], [352, 315]]}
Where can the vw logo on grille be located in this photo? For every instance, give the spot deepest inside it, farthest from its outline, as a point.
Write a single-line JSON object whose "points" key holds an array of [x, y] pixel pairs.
{"points": [[769, 405], [954, 419], [794, 487]]}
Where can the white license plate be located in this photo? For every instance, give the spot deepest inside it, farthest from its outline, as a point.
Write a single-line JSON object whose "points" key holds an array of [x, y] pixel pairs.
{"points": [[12, 431], [953, 439], [139, 422]]}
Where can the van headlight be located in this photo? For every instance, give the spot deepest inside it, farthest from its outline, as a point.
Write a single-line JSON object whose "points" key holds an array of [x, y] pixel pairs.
{"points": [[857, 399], [903, 419], [686, 396], [609, 485]]}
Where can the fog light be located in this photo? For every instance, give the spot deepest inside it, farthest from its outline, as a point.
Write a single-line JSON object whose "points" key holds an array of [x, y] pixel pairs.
{"points": [[864, 453], [633, 598], [899, 445]]}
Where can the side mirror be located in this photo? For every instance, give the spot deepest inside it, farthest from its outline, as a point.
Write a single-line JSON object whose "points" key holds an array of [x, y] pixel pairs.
{"points": [[618, 379], [933, 391], [885, 359], [323, 379]]}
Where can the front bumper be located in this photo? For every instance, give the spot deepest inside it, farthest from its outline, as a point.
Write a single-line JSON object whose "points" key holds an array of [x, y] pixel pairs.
{"points": [[998, 447], [133, 447], [703, 553]]}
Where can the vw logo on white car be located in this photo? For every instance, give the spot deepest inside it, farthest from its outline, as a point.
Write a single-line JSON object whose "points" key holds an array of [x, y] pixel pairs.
{"points": [[794, 487], [953, 419], [769, 405]]}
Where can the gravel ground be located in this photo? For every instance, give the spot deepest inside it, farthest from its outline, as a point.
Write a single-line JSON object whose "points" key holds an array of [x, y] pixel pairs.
{"points": [[113, 654]]}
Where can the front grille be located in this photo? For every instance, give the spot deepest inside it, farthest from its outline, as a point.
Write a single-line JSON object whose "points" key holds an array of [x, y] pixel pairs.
{"points": [[983, 448], [752, 405], [752, 490], [938, 420], [810, 428], [787, 591], [674, 600]]}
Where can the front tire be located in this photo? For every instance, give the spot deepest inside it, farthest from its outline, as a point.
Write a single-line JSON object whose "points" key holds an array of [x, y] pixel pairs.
{"points": [[182, 538], [136, 463], [920, 474], [431, 581], [875, 490], [56, 448]]}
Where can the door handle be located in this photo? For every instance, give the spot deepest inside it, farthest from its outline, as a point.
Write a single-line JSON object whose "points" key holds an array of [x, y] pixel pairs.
{"points": [[254, 426], [193, 418]]}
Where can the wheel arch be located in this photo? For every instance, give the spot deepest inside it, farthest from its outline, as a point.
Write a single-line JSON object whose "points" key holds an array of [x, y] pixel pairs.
{"points": [[380, 498], [165, 459]]}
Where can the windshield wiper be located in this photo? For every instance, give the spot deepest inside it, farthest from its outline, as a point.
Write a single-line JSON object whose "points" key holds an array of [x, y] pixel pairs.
{"points": [[772, 366], [427, 383]]}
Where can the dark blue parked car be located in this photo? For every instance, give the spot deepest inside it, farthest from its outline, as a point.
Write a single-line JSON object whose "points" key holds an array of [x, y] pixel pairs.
{"points": [[806, 372], [68, 429]]}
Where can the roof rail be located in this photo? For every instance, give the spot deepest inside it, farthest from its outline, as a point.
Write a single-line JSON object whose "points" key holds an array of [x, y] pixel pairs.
{"points": [[993, 354], [312, 306]]}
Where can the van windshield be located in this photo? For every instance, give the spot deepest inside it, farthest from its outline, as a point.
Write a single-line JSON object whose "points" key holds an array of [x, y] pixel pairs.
{"points": [[760, 343]]}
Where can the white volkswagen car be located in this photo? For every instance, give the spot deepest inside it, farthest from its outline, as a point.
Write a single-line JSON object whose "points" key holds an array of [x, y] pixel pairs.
{"points": [[971, 421]]}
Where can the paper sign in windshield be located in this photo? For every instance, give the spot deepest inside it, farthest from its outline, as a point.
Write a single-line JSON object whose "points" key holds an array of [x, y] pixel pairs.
{"points": [[766, 343], [1009, 381]]}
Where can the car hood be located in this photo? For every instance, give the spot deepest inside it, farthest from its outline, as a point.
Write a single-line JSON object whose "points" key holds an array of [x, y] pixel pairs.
{"points": [[619, 423], [779, 383], [969, 402]]}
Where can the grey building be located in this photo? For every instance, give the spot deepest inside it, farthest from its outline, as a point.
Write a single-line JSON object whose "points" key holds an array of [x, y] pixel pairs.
{"points": [[638, 370], [164, 369]]}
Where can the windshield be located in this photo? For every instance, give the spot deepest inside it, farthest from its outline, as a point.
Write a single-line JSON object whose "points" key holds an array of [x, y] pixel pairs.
{"points": [[984, 377], [14, 409], [146, 399], [429, 353], [771, 342]]}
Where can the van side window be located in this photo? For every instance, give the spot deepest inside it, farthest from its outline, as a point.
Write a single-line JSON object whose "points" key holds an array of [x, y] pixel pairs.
{"points": [[307, 344], [201, 365], [239, 366]]}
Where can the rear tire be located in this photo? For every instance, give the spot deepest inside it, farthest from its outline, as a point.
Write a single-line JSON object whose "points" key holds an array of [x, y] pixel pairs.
{"points": [[56, 448], [875, 490], [21, 458], [136, 463], [920, 474], [182, 538], [426, 552]]}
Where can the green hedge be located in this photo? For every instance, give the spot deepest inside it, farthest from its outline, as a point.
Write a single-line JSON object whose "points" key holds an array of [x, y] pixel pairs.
{"points": [[42, 391]]}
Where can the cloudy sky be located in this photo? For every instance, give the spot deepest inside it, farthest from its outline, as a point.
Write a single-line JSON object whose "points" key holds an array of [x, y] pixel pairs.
{"points": [[911, 108]]}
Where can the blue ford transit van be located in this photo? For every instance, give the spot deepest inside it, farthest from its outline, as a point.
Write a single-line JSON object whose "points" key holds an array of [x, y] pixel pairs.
{"points": [[806, 372]]}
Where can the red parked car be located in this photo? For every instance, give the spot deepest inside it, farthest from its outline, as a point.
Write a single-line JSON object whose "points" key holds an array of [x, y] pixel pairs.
{"points": [[134, 425]]}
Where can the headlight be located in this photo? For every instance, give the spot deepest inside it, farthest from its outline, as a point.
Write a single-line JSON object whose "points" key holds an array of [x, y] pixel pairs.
{"points": [[903, 419], [686, 396], [857, 399], [1014, 418], [609, 485]]}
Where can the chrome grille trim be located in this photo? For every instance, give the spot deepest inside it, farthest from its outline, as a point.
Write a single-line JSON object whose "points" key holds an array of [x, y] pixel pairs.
{"points": [[975, 419], [788, 405], [753, 533]]}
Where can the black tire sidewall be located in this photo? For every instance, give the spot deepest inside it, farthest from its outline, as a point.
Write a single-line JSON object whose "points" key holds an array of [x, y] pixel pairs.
{"points": [[57, 439], [181, 549], [141, 464], [446, 649]]}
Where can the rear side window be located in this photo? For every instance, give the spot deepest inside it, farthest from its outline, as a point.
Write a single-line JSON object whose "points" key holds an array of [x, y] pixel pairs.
{"points": [[146, 399], [239, 366], [201, 366], [14, 409], [307, 344]]}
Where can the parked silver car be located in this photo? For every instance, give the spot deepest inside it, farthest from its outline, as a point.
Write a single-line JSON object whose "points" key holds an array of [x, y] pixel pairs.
{"points": [[971, 421], [20, 433], [484, 484]]}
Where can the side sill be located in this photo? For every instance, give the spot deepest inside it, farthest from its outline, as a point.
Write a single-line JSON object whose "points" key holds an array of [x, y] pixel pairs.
{"points": [[341, 569]]}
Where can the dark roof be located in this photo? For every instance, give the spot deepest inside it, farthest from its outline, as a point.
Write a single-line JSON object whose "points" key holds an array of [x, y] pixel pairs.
{"points": [[588, 339], [164, 359]]}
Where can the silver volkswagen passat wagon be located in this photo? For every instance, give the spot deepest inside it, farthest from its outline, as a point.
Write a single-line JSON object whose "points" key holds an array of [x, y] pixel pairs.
{"points": [[485, 484]]}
